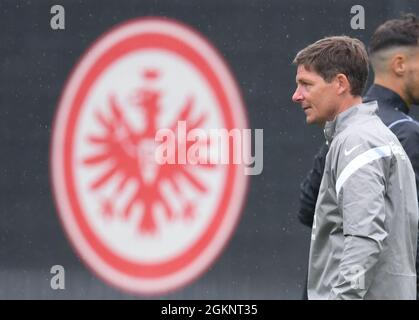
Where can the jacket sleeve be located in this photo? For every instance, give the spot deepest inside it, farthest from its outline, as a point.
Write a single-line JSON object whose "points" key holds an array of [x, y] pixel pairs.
{"points": [[360, 173], [411, 146], [309, 188], [408, 135]]}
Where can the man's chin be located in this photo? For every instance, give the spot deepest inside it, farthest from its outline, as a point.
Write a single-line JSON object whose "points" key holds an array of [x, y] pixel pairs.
{"points": [[310, 120], [319, 122]]}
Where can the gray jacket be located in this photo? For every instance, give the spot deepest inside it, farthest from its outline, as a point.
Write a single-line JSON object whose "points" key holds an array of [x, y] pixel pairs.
{"points": [[366, 220]]}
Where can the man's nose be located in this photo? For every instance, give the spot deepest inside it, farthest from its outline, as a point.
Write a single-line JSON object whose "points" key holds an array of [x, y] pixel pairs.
{"points": [[297, 96]]}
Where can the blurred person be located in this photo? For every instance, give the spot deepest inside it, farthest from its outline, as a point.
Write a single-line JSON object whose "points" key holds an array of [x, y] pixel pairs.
{"points": [[365, 230], [394, 55]]}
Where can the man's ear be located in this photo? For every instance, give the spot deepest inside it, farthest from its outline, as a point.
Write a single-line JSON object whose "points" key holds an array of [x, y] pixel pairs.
{"points": [[342, 83], [398, 64]]}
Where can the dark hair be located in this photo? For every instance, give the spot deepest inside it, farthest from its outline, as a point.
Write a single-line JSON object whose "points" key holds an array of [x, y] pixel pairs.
{"points": [[396, 32], [333, 55]]}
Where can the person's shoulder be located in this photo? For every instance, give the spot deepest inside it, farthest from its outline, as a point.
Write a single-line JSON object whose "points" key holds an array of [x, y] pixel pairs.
{"points": [[348, 139], [411, 124], [390, 116], [405, 127], [370, 133]]}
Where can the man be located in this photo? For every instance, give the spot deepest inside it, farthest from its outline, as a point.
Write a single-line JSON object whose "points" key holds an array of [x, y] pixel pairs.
{"points": [[394, 54], [366, 218]]}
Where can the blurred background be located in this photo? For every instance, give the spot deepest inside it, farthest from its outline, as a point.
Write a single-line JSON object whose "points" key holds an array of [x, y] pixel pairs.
{"points": [[266, 257]]}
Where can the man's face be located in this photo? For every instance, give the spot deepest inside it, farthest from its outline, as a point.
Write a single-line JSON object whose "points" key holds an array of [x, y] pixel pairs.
{"points": [[316, 96], [412, 77]]}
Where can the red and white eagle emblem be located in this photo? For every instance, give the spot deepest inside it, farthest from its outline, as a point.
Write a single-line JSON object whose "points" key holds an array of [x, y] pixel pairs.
{"points": [[141, 225]]}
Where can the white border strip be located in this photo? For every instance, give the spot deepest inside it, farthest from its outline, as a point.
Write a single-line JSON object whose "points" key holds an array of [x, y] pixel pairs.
{"points": [[399, 121], [359, 162]]}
